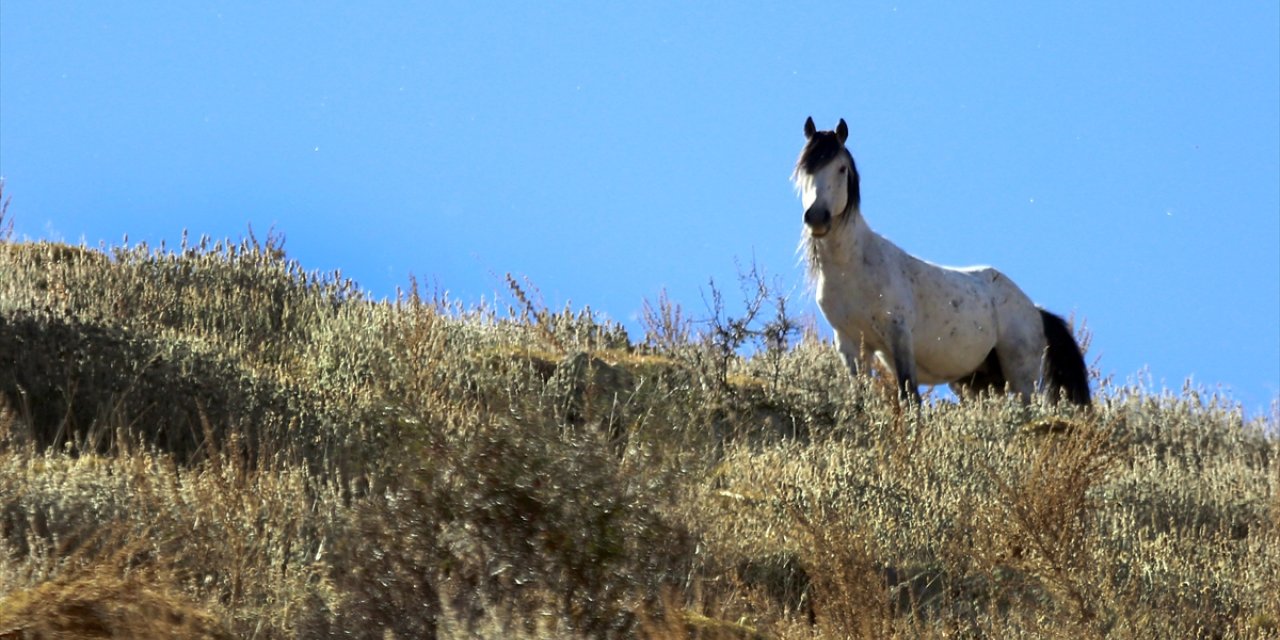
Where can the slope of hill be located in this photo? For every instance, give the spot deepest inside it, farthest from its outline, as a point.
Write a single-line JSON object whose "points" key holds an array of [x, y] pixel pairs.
{"points": [[210, 441]]}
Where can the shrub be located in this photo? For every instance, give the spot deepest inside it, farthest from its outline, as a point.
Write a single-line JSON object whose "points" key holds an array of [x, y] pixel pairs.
{"points": [[213, 442]]}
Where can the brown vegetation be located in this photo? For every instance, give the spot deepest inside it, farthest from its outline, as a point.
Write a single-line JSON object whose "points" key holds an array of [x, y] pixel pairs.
{"points": [[210, 442]]}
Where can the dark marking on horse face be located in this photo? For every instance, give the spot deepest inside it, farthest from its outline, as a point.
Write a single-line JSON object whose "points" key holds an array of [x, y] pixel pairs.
{"points": [[956, 303]]}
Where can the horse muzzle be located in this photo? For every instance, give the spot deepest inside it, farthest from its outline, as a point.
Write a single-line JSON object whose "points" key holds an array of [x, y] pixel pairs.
{"points": [[818, 220]]}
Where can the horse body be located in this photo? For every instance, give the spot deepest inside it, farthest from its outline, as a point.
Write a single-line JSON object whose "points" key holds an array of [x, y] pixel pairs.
{"points": [[927, 324], [946, 321]]}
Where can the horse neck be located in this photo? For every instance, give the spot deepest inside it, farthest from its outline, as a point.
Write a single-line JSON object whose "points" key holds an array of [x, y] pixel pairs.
{"points": [[843, 246]]}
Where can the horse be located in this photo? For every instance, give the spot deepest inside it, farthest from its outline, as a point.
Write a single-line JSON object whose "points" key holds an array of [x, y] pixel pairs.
{"points": [[970, 327]]}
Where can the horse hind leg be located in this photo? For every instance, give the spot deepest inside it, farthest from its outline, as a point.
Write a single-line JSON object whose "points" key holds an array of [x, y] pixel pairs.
{"points": [[1022, 364], [987, 378]]}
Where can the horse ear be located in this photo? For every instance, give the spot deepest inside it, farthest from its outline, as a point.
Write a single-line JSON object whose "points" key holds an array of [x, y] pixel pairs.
{"points": [[842, 131], [809, 128]]}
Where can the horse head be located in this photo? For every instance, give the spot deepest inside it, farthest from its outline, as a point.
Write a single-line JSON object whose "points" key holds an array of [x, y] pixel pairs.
{"points": [[826, 177]]}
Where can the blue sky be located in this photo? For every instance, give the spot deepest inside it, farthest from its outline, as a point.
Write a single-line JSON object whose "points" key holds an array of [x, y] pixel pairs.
{"points": [[1120, 161]]}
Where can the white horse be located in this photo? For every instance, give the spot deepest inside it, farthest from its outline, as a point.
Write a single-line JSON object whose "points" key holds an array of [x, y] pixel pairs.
{"points": [[970, 327]]}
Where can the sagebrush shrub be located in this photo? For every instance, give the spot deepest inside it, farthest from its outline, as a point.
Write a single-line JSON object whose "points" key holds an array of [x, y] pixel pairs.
{"points": [[214, 435]]}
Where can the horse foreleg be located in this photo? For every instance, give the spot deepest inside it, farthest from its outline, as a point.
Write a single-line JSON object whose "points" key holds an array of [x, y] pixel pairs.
{"points": [[908, 388], [904, 364], [851, 351]]}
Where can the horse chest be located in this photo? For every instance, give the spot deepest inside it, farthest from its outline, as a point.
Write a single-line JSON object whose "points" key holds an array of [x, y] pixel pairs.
{"points": [[857, 310]]}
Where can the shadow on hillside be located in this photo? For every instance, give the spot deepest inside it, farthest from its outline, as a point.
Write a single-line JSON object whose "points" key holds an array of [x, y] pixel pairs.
{"points": [[82, 385]]}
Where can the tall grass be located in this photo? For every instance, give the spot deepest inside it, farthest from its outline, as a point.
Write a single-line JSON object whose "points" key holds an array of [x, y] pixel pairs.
{"points": [[211, 441]]}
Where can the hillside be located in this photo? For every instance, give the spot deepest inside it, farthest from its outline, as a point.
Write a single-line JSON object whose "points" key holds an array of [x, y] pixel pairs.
{"points": [[211, 442]]}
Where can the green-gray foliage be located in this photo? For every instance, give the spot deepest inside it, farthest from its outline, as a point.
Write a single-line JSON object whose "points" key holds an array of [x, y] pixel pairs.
{"points": [[221, 438]]}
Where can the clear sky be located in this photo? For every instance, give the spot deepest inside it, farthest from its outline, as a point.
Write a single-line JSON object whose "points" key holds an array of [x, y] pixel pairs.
{"points": [[1119, 160]]}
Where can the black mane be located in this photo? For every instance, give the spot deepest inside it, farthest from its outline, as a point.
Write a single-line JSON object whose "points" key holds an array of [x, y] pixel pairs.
{"points": [[820, 149]]}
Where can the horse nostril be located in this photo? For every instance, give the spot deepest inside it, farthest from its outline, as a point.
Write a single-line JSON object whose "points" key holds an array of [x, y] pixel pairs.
{"points": [[817, 216]]}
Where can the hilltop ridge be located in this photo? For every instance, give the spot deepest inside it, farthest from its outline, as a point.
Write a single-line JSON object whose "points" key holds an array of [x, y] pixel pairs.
{"points": [[212, 441]]}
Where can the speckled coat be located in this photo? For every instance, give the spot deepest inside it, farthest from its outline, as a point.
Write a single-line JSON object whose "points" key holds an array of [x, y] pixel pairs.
{"points": [[928, 324]]}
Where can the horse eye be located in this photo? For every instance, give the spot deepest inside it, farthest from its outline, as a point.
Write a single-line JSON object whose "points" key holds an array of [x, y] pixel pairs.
{"points": [[843, 169]]}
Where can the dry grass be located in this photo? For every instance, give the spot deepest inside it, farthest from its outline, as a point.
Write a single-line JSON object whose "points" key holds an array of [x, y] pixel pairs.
{"points": [[212, 442]]}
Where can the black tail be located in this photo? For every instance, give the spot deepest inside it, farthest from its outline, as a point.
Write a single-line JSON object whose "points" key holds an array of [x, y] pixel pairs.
{"points": [[1066, 368]]}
